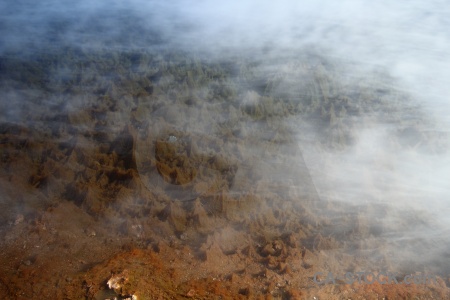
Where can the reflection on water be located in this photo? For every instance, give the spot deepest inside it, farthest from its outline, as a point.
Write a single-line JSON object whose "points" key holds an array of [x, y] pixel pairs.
{"points": [[120, 131]]}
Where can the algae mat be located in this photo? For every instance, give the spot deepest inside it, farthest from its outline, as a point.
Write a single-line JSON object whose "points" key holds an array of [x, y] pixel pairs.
{"points": [[171, 176]]}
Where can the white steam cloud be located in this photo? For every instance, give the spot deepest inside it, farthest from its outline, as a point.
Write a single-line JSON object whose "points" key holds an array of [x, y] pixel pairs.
{"points": [[409, 40]]}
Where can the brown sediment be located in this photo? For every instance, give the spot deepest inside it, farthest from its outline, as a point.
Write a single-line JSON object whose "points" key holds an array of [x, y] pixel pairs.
{"points": [[175, 188]]}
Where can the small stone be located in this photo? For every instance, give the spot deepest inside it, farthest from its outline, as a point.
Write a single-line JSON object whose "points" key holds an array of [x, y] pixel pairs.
{"points": [[137, 230], [90, 232], [191, 293], [27, 262], [172, 139]]}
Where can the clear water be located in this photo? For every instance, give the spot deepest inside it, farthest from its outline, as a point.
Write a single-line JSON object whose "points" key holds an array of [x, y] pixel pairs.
{"points": [[383, 169]]}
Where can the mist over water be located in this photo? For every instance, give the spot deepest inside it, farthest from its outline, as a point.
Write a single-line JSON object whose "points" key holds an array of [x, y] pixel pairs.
{"points": [[390, 178]]}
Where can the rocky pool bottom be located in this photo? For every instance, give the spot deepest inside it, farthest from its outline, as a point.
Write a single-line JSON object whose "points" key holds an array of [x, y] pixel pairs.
{"points": [[164, 176]]}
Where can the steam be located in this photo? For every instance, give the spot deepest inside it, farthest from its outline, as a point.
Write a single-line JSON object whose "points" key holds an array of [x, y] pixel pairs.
{"points": [[407, 41]]}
